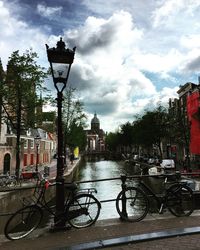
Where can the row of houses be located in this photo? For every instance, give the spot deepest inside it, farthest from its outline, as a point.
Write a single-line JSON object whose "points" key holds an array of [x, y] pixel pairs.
{"points": [[32, 153]]}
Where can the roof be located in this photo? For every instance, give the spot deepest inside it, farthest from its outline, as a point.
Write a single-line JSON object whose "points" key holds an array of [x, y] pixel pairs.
{"points": [[95, 119]]}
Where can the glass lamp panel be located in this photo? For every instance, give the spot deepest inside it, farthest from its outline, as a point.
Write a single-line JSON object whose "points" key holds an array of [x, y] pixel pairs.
{"points": [[60, 71]]}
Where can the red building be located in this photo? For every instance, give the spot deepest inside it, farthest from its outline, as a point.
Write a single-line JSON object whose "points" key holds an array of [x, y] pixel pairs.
{"points": [[193, 111]]}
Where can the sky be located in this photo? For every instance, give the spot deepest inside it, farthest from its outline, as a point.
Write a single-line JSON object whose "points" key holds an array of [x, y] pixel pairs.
{"points": [[130, 54]]}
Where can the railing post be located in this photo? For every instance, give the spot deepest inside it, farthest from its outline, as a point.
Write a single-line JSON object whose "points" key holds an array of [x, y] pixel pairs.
{"points": [[123, 185]]}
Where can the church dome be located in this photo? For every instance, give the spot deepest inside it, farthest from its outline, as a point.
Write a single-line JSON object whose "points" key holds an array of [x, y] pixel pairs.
{"points": [[95, 120]]}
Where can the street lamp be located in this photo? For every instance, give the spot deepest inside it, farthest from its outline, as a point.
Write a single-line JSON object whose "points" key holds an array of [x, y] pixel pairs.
{"points": [[37, 144], [60, 60]]}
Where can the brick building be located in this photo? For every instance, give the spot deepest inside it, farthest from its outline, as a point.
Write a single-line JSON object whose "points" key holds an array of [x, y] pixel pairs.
{"points": [[28, 148]]}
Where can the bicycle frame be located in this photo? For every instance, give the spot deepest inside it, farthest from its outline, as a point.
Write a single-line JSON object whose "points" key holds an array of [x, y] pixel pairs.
{"points": [[159, 199], [72, 192]]}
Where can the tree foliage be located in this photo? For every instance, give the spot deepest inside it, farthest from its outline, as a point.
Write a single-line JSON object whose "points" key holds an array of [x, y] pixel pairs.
{"points": [[23, 79], [179, 129], [147, 130], [151, 128], [74, 120], [76, 137], [112, 141], [126, 132], [2, 79]]}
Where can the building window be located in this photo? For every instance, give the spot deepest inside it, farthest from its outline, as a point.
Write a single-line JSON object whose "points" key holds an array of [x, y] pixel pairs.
{"points": [[25, 143], [25, 160], [32, 143], [32, 159], [47, 145]]}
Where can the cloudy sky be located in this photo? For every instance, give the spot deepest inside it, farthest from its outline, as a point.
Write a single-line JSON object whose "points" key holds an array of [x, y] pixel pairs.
{"points": [[131, 54]]}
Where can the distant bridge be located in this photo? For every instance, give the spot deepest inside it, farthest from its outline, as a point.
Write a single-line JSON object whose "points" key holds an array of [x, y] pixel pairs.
{"points": [[97, 154]]}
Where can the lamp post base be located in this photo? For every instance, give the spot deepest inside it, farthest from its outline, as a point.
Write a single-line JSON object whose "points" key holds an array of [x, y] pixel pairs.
{"points": [[57, 228]]}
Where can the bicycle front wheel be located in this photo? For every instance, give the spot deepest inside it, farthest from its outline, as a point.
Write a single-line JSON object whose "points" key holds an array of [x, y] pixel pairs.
{"points": [[83, 210], [132, 204], [180, 200], [23, 222]]}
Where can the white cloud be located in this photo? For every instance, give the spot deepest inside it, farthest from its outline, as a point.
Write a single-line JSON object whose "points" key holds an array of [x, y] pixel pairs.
{"points": [[109, 65], [49, 12], [103, 63], [158, 63], [168, 11], [190, 41], [119, 53], [163, 13], [17, 35]]}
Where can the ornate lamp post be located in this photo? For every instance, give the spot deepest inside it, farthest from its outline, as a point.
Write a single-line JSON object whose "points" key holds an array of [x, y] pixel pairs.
{"points": [[37, 144], [60, 60]]}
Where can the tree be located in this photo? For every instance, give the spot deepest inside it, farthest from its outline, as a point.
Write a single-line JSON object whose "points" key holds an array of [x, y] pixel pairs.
{"points": [[112, 141], [2, 79], [126, 134], [23, 79], [147, 130], [151, 128], [179, 128], [76, 137], [74, 120]]}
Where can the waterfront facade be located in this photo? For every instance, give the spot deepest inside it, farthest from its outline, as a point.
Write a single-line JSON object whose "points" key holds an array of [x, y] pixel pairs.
{"points": [[95, 136]]}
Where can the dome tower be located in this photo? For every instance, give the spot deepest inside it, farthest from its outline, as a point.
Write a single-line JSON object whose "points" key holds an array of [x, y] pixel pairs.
{"points": [[95, 123]]}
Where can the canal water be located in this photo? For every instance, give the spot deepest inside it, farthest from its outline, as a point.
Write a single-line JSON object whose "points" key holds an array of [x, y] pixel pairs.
{"points": [[106, 190]]}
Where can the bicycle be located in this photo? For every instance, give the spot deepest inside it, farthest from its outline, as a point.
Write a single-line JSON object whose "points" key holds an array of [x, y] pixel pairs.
{"points": [[133, 203], [7, 180], [81, 210]]}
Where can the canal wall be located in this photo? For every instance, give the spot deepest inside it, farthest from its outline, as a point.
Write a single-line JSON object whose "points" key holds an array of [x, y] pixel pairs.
{"points": [[12, 200]]}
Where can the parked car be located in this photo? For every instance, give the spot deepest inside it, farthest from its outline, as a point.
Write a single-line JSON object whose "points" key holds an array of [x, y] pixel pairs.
{"points": [[168, 164], [165, 166]]}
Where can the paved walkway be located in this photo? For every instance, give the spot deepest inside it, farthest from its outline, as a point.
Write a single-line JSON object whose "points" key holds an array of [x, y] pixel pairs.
{"points": [[116, 231]]}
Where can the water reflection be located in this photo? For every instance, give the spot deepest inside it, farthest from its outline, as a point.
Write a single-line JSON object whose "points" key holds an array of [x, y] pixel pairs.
{"points": [[106, 189]]}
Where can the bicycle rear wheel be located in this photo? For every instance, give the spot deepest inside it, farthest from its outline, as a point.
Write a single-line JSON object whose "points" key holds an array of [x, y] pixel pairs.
{"points": [[180, 200], [134, 207], [83, 210], [23, 222], [11, 183]]}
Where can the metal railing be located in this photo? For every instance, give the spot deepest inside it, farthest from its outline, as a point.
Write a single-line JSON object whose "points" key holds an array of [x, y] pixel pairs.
{"points": [[33, 185], [123, 179]]}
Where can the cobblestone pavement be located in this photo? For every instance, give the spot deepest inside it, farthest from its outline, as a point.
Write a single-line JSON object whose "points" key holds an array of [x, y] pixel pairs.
{"points": [[112, 229]]}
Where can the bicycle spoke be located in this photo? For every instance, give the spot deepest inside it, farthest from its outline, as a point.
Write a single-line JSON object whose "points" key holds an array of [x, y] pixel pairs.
{"points": [[23, 222], [180, 200], [83, 211], [132, 204]]}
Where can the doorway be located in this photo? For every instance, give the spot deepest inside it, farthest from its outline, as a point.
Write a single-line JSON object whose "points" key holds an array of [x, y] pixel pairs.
{"points": [[6, 165]]}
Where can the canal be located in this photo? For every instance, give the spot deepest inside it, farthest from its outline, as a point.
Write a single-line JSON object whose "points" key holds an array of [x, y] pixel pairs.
{"points": [[106, 190]]}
